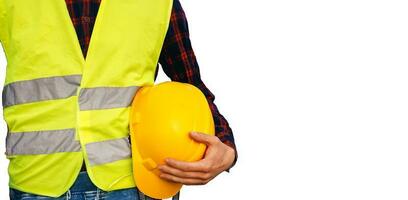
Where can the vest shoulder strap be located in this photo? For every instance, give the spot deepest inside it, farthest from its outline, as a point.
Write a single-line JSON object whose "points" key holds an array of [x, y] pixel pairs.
{"points": [[2, 21]]}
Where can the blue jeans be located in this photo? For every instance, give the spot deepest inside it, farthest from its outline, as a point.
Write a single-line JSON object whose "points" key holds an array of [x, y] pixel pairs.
{"points": [[84, 189]]}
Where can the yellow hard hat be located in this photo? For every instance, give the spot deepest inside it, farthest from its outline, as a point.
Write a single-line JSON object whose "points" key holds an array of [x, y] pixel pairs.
{"points": [[161, 118]]}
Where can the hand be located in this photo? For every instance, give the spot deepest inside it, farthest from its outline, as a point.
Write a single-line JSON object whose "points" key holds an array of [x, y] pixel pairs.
{"points": [[218, 157]]}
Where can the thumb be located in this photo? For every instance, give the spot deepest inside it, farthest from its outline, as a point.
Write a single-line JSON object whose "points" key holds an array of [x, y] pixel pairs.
{"points": [[201, 137]]}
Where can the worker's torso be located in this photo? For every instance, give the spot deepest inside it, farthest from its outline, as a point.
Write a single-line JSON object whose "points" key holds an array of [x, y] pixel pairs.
{"points": [[62, 108]]}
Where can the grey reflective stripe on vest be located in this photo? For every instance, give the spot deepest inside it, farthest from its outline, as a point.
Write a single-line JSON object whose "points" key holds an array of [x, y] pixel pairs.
{"points": [[108, 151], [42, 142], [41, 89], [106, 97]]}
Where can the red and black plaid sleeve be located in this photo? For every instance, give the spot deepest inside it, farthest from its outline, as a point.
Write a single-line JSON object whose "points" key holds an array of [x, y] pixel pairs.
{"points": [[180, 64]]}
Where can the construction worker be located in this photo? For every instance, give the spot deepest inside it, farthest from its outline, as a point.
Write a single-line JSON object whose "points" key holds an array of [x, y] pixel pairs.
{"points": [[73, 67]]}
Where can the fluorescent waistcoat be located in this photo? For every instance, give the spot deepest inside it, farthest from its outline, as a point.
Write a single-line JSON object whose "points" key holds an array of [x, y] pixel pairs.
{"points": [[61, 108]]}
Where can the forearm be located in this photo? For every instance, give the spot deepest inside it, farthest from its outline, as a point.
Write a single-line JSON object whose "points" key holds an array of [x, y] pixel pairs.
{"points": [[180, 64]]}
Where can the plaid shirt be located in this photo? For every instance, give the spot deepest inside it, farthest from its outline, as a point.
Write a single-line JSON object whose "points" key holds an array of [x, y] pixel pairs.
{"points": [[177, 56]]}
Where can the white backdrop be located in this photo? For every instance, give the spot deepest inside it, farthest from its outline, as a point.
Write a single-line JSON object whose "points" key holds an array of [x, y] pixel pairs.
{"points": [[316, 93]]}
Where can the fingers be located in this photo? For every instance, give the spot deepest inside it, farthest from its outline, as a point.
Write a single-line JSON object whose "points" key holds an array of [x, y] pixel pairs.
{"points": [[198, 166], [193, 173], [203, 138], [185, 181], [182, 174]]}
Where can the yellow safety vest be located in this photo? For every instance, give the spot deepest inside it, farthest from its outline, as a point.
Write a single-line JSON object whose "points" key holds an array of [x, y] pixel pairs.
{"points": [[60, 108]]}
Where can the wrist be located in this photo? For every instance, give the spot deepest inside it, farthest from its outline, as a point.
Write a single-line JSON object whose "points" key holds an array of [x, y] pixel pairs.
{"points": [[231, 155]]}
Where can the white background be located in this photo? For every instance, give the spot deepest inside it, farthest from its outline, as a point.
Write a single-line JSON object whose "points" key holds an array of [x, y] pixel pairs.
{"points": [[316, 93]]}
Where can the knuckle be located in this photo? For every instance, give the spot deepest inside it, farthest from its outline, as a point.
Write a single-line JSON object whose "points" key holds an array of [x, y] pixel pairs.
{"points": [[203, 176], [172, 178], [214, 139], [174, 171], [207, 167], [164, 169], [179, 173], [206, 176]]}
